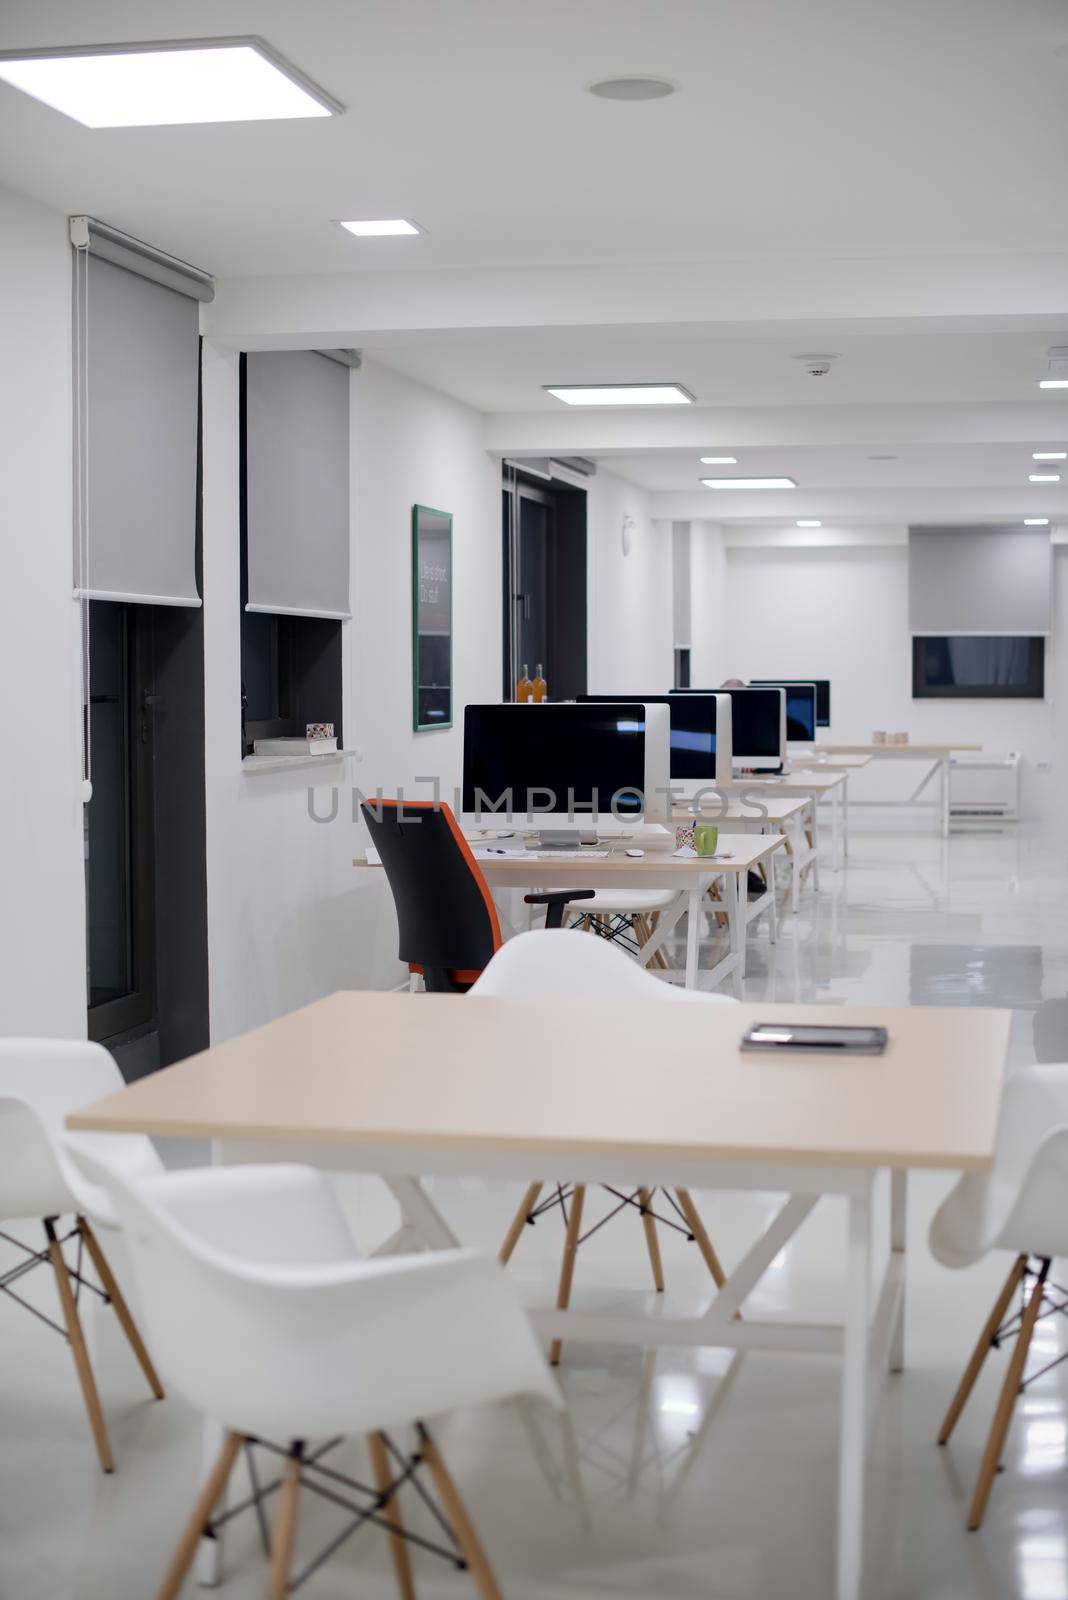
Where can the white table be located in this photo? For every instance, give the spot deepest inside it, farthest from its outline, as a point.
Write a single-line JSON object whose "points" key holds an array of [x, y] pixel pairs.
{"points": [[771, 813], [397, 1085], [936, 758], [689, 877]]}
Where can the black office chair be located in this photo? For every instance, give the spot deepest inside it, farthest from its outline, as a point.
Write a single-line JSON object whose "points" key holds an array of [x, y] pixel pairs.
{"points": [[448, 922]]}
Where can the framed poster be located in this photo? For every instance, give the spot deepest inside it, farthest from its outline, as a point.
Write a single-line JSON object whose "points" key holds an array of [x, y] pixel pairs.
{"points": [[431, 618]]}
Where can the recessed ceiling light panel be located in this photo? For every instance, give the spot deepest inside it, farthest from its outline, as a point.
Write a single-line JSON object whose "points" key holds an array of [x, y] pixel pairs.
{"points": [[1049, 455], [383, 228], [749, 483], [1036, 522], [1044, 477], [1053, 383], [167, 82], [633, 88], [719, 461], [620, 394], [809, 522]]}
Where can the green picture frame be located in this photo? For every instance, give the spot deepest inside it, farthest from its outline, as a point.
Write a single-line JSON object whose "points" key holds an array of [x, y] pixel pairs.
{"points": [[431, 619]]}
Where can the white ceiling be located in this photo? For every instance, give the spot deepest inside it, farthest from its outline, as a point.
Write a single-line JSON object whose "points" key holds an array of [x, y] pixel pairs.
{"points": [[881, 181], [801, 127]]}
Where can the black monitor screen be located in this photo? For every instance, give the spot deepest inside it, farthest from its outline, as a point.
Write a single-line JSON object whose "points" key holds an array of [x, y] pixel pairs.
{"points": [[528, 757], [693, 729], [756, 721], [823, 695], [800, 711], [979, 667]]}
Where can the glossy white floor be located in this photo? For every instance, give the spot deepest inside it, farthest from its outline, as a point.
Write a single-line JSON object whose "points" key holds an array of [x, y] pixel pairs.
{"points": [[704, 1476]]}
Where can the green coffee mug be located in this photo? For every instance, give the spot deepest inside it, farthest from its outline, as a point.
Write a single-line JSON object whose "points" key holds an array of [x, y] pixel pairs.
{"points": [[705, 838]]}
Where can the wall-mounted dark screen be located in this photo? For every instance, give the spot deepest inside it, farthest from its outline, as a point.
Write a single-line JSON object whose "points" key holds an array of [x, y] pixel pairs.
{"points": [[978, 667]]}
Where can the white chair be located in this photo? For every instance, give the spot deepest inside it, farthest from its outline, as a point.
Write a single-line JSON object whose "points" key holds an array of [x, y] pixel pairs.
{"points": [[573, 965], [40, 1081], [1020, 1205], [625, 916], [262, 1316]]}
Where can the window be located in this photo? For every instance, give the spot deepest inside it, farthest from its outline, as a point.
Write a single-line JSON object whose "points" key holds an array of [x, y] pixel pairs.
{"points": [[978, 667], [682, 667], [294, 475]]}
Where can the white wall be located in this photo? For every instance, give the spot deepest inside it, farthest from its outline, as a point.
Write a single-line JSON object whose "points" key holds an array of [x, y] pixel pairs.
{"points": [[710, 660], [289, 918], [630, 598], [842, 613], [42, 892]]}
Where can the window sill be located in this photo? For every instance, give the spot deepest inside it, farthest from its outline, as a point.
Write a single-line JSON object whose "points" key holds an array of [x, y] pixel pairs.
{"points": [[256, 764]]}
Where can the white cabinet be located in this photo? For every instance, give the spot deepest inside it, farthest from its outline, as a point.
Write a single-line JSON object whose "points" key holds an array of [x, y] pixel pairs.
{"points": [[982, 785]]}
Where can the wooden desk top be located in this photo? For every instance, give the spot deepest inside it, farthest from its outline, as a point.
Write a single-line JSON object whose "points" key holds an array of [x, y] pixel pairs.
{"points": [[779, 808], [919, 752], [832, 763], [796, 782], [586, 1078], [735, 852]]}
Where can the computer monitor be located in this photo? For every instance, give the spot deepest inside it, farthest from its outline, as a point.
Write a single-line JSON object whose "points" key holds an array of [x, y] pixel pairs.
{"points": [[567, 767], [823, 694], [758, 725], [700, 736], [800, 713]]}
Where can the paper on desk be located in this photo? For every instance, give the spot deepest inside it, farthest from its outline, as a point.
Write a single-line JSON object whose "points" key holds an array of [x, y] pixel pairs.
{"points": [[372, 857], [486, 853]]}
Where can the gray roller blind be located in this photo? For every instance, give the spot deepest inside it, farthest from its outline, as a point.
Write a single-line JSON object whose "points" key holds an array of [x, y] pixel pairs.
{"points": [[680, 567], [297, 483], [137, 357], [979, 580]]}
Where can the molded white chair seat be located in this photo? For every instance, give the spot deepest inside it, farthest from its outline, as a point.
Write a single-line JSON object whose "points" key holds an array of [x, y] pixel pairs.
{"points": [[1021, 1205], [573, 965], [263, 1316], [625, 901], [41, 1080]]}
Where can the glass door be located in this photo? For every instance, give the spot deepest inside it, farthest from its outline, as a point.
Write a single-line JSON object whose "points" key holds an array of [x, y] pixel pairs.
{"points": [[530, 530]]}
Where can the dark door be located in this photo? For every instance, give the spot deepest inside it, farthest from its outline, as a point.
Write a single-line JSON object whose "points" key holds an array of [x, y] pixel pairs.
{"points": [[544, 587], [119, 876]]}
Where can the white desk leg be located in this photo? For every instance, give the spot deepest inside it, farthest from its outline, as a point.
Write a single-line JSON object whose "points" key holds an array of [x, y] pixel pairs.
{"points": [[844, 792], [795, 863], [816, 842], [735, 886], [898, 1223], [693, 933], [773, 908], [853, 1422], [944, 791], [836, 827]]}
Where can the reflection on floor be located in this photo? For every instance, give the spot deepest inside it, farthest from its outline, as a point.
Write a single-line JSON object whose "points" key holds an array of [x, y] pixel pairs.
{"points": [[705, 1474]]}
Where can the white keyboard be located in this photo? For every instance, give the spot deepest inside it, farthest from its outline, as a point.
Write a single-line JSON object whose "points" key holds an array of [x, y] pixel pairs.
{"points": [[500, 854]]}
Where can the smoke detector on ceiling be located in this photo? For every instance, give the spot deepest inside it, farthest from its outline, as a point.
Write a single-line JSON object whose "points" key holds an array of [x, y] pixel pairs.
{"points": [[816, 366]]}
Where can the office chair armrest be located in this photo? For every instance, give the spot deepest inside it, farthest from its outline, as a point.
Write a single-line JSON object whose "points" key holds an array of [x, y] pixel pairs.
{"points": [[555, 901]]}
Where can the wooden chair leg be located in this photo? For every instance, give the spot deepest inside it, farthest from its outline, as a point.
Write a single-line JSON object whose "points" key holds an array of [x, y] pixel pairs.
{"points": [[122, 1310], [567, 1266], [519, 1222], [391, 1513], [284, 1532], [78, 1348], [700, 1233], [207, 1500], [1007, 1401], [652, 1243], [456, 1514], [982, 1348]]}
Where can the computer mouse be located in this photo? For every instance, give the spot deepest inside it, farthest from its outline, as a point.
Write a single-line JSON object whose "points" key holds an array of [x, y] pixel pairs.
{"points": [[635, 854]]}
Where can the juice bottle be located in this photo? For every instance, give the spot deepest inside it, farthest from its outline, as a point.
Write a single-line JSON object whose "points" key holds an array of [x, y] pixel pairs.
{"points": [[539, 689], [523, 687]]}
